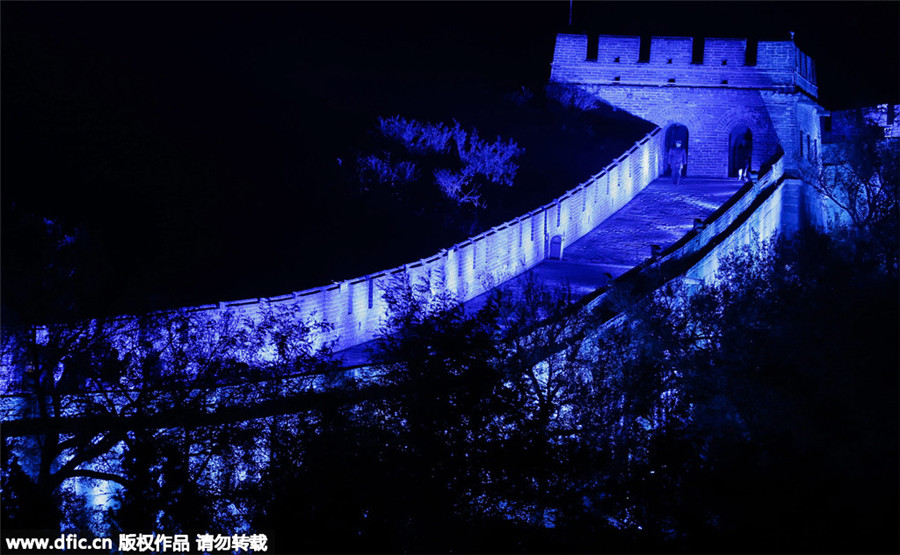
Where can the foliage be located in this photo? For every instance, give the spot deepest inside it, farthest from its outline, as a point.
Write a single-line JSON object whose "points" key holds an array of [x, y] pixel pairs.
{"points": [[418, 137], [107, 400], [860, 175], [782, 368], [753, 411], [381, 171], [572, 96], [52, 271], [460, 162]]}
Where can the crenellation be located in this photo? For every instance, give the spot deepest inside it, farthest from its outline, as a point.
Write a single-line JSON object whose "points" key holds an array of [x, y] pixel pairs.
{"points": [[614, 49], [570, 48], [712, 103], [671, 50], [776, 54], [671, 90], [731, 51]]}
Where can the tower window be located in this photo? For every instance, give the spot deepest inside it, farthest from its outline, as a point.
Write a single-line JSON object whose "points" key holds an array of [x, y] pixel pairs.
{"points": [[669, 61], [617, 78], [724, 62], [617, 60]]}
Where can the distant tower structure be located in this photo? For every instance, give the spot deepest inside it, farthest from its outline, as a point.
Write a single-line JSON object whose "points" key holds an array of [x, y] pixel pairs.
{"points": [[711, 94]]}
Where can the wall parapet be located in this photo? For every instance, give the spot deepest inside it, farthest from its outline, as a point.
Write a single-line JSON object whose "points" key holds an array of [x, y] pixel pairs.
{"points": [[674, 61], [751, 215], [356, 308], [719, 221], [355, 311]]}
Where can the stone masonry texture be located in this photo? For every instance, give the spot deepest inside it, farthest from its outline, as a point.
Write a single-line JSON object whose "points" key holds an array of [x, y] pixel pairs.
{"points": [[775, 98]]}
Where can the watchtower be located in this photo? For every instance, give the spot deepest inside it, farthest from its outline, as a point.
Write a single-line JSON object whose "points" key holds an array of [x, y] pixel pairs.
{"points": [[710, 93]]}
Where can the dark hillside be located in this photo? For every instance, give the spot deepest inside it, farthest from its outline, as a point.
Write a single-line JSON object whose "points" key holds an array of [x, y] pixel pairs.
{"points": [[563, 146], [197, 144]]}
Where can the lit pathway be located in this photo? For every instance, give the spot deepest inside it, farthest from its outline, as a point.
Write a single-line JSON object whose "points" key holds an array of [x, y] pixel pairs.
{"points": [[659, 215]]}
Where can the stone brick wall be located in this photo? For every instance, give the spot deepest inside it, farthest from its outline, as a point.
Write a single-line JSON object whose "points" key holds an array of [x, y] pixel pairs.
{"points": [[779, 64], [357, 309], [609, 48], [724, 52], [844, 123], [755, 224], [671, 50], [709, 117], [774, 98]]}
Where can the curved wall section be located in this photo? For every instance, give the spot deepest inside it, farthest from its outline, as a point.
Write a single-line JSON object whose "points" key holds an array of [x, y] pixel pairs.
{"points": [[356, 309]]}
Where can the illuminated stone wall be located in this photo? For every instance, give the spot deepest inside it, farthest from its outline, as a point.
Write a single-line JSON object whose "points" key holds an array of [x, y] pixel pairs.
{"points": [[713, 96], [774, 99], [762, 224], [357, 310]]}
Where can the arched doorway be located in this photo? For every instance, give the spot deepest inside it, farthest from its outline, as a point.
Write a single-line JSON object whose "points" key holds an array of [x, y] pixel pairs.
{"points": [[676, 132], [740, 149]]}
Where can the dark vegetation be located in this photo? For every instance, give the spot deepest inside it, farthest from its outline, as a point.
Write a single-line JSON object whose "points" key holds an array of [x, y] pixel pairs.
{"points": [[759, 414], [561, 144], [755, 415], [210, 154], [339, 227]]}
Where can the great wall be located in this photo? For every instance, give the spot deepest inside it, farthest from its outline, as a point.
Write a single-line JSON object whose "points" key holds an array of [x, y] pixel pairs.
{"points": [[705, 97], [707, 93]]}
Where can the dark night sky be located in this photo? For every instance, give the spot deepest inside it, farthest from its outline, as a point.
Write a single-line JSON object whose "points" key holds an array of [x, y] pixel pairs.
{"points": [[214, 126]]}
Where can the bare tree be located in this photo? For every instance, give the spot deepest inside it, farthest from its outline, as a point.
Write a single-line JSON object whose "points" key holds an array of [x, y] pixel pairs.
{"points": [[860, 176], [461, 162], [80, 397]]}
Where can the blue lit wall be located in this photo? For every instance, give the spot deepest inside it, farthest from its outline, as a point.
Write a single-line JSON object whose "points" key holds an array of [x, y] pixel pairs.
{"points": [[774, 97], [771, 98], [760, 224], [357, 310]]}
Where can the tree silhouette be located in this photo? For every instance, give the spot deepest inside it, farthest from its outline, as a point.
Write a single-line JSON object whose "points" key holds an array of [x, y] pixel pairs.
{"points": [[740, 414]]}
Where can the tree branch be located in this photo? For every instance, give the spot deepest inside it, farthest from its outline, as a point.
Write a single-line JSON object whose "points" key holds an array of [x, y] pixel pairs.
{"points": [[97, 475]]}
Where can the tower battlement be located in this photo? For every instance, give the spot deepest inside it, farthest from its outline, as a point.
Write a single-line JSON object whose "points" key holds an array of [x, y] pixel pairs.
{"points": [[682, 61], [715, 95]]}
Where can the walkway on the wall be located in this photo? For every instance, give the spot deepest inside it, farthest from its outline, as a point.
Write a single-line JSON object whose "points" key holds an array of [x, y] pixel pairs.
{"points": [[659, 215]]}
